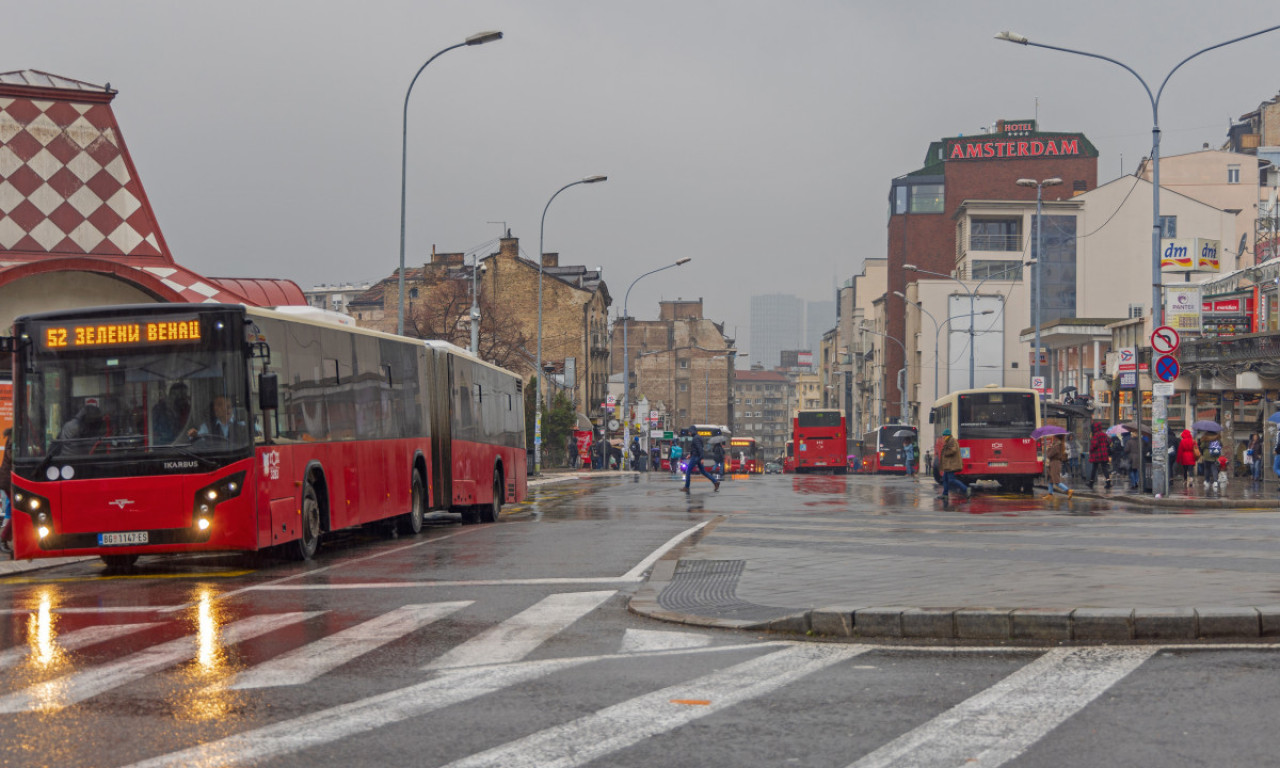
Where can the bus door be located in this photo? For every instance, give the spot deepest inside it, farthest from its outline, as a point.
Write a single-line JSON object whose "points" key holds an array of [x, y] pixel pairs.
{"points": [[439, 378]]}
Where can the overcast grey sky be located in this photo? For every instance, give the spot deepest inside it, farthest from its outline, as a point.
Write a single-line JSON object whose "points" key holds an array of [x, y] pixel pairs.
{"points": [[759, 138]]}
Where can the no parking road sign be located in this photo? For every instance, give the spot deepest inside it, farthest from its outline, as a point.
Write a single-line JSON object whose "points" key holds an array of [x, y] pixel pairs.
{"points": [[1166, 368]]}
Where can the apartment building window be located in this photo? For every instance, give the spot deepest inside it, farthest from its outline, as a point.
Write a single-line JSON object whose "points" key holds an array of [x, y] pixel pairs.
{"points": [[684, 386], [927, 198], [684, 363], [995, 235], [996, 269], [1233, 174]]}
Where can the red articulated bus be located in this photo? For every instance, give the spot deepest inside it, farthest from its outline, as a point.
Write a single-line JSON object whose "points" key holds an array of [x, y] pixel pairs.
{"points": [[993, 426], [789, 461], [168, 428], [820, 442], [884, 449], [744, 456]]}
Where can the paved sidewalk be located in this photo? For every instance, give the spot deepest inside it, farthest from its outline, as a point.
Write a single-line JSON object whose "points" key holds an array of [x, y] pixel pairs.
{"points": [[1000, 569]]}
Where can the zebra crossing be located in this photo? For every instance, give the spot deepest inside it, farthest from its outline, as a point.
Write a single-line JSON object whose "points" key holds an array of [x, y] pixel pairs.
{"points": [[992, 726]]}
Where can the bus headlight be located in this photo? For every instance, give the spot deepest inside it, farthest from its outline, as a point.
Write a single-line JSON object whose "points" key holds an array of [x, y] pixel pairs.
{"points": [[43, 531], [209, 497]]}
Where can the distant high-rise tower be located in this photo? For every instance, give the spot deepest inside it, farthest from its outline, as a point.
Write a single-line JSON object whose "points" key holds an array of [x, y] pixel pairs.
{"points": [[777, 323], [820, 317]]}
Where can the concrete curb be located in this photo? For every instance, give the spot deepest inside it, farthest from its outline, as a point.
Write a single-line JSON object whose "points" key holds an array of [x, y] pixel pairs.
{"points": [[10, 567], [1013, 626]]}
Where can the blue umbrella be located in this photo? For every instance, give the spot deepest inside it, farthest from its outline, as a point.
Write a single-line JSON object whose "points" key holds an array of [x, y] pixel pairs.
{"points": [[1274, 418], [1207, 425]]}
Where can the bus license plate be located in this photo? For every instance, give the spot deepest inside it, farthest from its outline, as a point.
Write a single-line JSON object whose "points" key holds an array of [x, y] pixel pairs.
{"points": [[998, 464], [117, 539]]}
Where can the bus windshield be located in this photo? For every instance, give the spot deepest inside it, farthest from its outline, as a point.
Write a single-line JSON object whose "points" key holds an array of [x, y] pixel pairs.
{"points": [[996, 414], [117, 403]]}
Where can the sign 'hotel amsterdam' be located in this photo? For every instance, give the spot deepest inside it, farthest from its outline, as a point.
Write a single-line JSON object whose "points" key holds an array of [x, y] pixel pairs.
{"points": [[1018, 139]]}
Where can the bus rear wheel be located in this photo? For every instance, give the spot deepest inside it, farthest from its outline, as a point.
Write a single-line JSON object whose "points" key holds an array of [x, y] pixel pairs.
{"points": [[489, 513], [411, 522]]}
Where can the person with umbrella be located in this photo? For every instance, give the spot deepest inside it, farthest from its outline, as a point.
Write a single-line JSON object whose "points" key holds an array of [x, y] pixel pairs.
{"points": [[909, 451], [1099, 455], [1210, 444]]}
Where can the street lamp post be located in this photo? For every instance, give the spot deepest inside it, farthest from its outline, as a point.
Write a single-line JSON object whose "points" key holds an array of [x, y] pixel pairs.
{"points": [[937, 329], [1039, 262], [902, 389], [626, 360], [972, 294], [475, 305], [477, 39], [1159, 456], [537, 421]]}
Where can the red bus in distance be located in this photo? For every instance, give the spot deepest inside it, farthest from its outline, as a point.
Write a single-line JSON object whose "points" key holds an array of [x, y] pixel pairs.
{"points": [[820, 442]]}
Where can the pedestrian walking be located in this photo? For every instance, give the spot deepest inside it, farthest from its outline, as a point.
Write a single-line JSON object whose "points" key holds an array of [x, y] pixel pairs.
{"points": [[1210, 451], [695, 460], [950, 462], [1253, 455], [1073, 458], [1099, 456], [673, 456], [1135, 450], [928, 462], [909, 455], [1056, 455], [1188, 454], [6, 485]]}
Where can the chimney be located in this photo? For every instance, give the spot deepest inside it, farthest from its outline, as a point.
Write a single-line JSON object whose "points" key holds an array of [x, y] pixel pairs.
{"points": [[550, 259]]}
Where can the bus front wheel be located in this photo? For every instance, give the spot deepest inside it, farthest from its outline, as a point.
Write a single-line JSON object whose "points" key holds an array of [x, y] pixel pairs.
{"points": [[309, 541]]}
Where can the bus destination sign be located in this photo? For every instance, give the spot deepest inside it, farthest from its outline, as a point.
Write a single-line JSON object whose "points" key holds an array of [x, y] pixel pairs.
{"points": [[67, 336]]}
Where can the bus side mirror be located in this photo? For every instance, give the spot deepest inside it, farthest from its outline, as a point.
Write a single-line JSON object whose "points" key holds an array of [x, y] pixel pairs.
{"points": [[268, 392]]}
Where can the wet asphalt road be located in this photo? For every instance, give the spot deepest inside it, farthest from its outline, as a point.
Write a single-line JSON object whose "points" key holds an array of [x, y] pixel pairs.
{"points": [[510, 645]]}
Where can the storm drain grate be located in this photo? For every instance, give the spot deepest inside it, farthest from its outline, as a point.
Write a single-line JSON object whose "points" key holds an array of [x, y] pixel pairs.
{"points": [[707, 588]]}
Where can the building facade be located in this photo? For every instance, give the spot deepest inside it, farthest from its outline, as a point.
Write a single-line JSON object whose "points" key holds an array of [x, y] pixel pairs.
{"points": [[762, 406]]}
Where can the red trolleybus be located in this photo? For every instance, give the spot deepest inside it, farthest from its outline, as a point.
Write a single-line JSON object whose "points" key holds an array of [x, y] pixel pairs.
{"points": [[993, 426], [884, 449], [789, 461], [166, 428], [820, 442], [744, 456]]}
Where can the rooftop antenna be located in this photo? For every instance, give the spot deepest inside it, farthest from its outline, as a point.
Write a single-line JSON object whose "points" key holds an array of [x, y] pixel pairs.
{"points": [[1037, 113]]}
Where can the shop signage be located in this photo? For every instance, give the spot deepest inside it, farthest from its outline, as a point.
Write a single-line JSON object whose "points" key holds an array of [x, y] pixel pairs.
{"points": [[1182, 308], [1189, 254]]}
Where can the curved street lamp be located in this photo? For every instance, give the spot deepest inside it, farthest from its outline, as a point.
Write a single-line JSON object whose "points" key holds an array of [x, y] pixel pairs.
{"points": [[971, 293], [1159, 457], [537, 422], [626, 361], [937, 329], [477, 39]]}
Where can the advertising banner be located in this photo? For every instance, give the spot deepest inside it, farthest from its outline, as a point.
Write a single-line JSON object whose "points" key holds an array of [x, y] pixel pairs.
{"points": [[1182, 308], [1189, 254]]}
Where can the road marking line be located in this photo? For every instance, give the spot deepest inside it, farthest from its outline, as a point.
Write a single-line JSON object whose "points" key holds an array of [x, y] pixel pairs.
{"points": [[343, 564], [449, 688], [72, 641], [519, 635], [1000, 723], [637, 572], [643, 640], [421, 584], [55, 694], [623, 725], [304, 664]]}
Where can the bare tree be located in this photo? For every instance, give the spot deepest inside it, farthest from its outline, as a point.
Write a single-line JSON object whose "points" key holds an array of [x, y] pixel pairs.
{"points": [[444, 312]]}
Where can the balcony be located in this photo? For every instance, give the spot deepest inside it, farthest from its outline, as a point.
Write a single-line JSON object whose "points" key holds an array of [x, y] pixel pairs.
{"points": [[997, 242]]}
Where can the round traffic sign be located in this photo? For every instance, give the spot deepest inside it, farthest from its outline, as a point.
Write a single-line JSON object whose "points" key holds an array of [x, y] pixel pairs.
{"points": [[1165, 340], [1167, 368]]}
